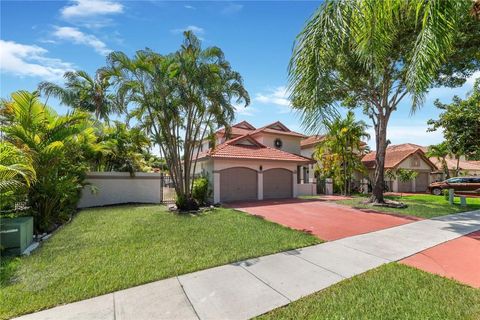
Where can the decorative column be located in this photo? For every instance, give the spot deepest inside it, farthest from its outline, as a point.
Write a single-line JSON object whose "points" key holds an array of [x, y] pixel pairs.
{"points": [[260, 185], [216, 187], [294, 181], [329, 186]]}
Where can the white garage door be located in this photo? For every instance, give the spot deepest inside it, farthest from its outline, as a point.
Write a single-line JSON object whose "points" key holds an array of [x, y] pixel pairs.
{"points": [[238, 184], [277, 184]]}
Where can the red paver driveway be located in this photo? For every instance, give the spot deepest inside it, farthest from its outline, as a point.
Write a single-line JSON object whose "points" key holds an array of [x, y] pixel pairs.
{"points": [[326, 220], [458, 259]]}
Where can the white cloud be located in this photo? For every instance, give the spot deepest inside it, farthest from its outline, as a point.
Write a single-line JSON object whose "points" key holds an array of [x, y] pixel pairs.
{"points": [[78, 37], [195, 29], [248, 111], [30, 61], [471, 80], [232, 8], [189, 7], [88, 8], [278, 97]]}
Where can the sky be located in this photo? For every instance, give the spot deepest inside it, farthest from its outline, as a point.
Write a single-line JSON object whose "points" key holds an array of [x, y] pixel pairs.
{"points": [[40, 40]]}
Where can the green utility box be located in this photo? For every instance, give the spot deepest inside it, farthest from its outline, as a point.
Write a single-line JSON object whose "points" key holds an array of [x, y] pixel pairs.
{"points": [[16, 234]]}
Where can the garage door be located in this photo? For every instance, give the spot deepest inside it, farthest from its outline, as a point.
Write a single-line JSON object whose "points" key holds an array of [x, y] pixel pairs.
{"points": [[277, 184], [238, 184], [421, 182], [405, 186]]}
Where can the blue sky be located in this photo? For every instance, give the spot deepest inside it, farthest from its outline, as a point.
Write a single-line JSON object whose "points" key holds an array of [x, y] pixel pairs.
{"points": [[42, 39]]}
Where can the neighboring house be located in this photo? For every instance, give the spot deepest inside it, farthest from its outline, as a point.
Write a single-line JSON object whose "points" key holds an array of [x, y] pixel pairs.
{"points": [[308, 146], [407, 156], [253, 164], [466, 168]]}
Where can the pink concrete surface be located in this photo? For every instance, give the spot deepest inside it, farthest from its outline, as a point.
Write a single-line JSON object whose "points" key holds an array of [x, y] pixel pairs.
{"points": [[458, 259], [328, 221]]}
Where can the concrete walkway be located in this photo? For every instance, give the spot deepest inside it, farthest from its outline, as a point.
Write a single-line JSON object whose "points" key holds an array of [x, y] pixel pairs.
{"points": [[249, 288]]}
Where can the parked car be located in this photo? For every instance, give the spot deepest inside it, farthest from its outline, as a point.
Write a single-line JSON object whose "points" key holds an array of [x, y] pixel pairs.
{"points": [[459, 184]]}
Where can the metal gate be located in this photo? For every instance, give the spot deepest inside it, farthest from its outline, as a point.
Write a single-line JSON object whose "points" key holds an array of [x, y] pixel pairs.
{"points": [[167, 191]]}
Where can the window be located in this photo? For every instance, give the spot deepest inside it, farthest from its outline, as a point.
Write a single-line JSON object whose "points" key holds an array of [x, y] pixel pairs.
{"points": [[455, 180], [278, 143]]}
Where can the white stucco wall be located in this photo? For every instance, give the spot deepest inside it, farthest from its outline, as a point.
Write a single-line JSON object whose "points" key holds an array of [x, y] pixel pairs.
{"points": [[289, 143], [120, 187], [407, 164], [306, 189]]}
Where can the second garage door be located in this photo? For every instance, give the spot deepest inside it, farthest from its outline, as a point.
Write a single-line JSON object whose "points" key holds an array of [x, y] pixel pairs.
{"points": [[238, 184], [277, 184]]}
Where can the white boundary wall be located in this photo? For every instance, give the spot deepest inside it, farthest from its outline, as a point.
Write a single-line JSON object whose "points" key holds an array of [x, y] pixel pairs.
{"points": [[120, 187]]}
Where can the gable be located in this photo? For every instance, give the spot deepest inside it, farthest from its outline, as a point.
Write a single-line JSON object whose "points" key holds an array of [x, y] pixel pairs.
{"points": [[278, 126], [244, 125]]}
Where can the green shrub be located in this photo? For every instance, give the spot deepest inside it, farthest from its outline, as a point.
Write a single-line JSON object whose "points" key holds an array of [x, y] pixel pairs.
{"points": [[201, 191], [445, 194]]}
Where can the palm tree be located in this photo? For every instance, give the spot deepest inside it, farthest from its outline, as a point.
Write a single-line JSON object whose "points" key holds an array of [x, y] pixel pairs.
{"points": [[179, 98], [440, 151], [339, 153], [54, 143], [371, 54], [16, 170], [83, 92]]}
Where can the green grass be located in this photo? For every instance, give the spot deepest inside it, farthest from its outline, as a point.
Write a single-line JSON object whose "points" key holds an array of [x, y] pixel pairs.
{"points": [[393, 291], [108, 249], [424, 206]]}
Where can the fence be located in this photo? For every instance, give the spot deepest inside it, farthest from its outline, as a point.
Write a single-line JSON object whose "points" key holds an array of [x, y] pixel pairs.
{"points": [[120, 187]]}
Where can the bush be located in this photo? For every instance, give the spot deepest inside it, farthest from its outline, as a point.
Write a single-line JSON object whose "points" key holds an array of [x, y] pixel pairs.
{"points": [[445, 194], [201, 191], [186, 204]]}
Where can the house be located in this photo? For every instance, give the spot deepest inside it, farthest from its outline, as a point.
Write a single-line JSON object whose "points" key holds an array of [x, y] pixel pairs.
{"points": [[407, 156], [308, 146], [254, 164], [466, 168]]}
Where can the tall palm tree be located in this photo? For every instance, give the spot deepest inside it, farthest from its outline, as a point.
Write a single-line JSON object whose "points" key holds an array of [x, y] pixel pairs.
{"points": [[371, 54], [178, 98], [81, 91], [440, 151], [16, 170]]}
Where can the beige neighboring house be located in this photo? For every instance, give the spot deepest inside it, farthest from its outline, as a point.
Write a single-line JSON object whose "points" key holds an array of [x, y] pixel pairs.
{"points": [[254, 164], [466, 168], [407, 156]]}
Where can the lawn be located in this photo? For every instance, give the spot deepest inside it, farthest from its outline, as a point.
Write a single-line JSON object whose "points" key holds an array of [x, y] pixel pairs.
{"points": [[107, 249], [393, 291], [423, 206]]}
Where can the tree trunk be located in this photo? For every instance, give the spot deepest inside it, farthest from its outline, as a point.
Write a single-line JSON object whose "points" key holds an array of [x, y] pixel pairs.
{"points": [[381, 147]]}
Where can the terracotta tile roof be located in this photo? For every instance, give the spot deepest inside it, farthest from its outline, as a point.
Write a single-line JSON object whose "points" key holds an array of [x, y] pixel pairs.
{"points": [[311, 141], [243, 128], [452, 164], [396, 154], [253, 150]]}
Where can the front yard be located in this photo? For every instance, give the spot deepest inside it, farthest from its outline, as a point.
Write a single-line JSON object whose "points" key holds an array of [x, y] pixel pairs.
{"points": [[108, 249], [393, 291], [423, 206]]}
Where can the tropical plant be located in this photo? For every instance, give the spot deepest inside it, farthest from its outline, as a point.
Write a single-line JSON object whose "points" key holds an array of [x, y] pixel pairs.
{"points": [[371, 54], [460, 124], [440, 151], [339, 152], [178, 99], [81, 91], [55, 144], [405, 175], [16, 175], [123, 149], [201, 191]]}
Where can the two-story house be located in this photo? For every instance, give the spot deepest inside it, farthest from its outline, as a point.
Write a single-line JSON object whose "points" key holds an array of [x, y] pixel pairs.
{"points": [[253, 164]]}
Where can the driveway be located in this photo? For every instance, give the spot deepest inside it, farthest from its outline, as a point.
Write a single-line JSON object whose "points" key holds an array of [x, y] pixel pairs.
{"points": [[326, 220]]}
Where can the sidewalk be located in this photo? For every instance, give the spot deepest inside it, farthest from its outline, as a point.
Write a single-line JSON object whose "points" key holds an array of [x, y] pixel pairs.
{"points": [[249, 288]]}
